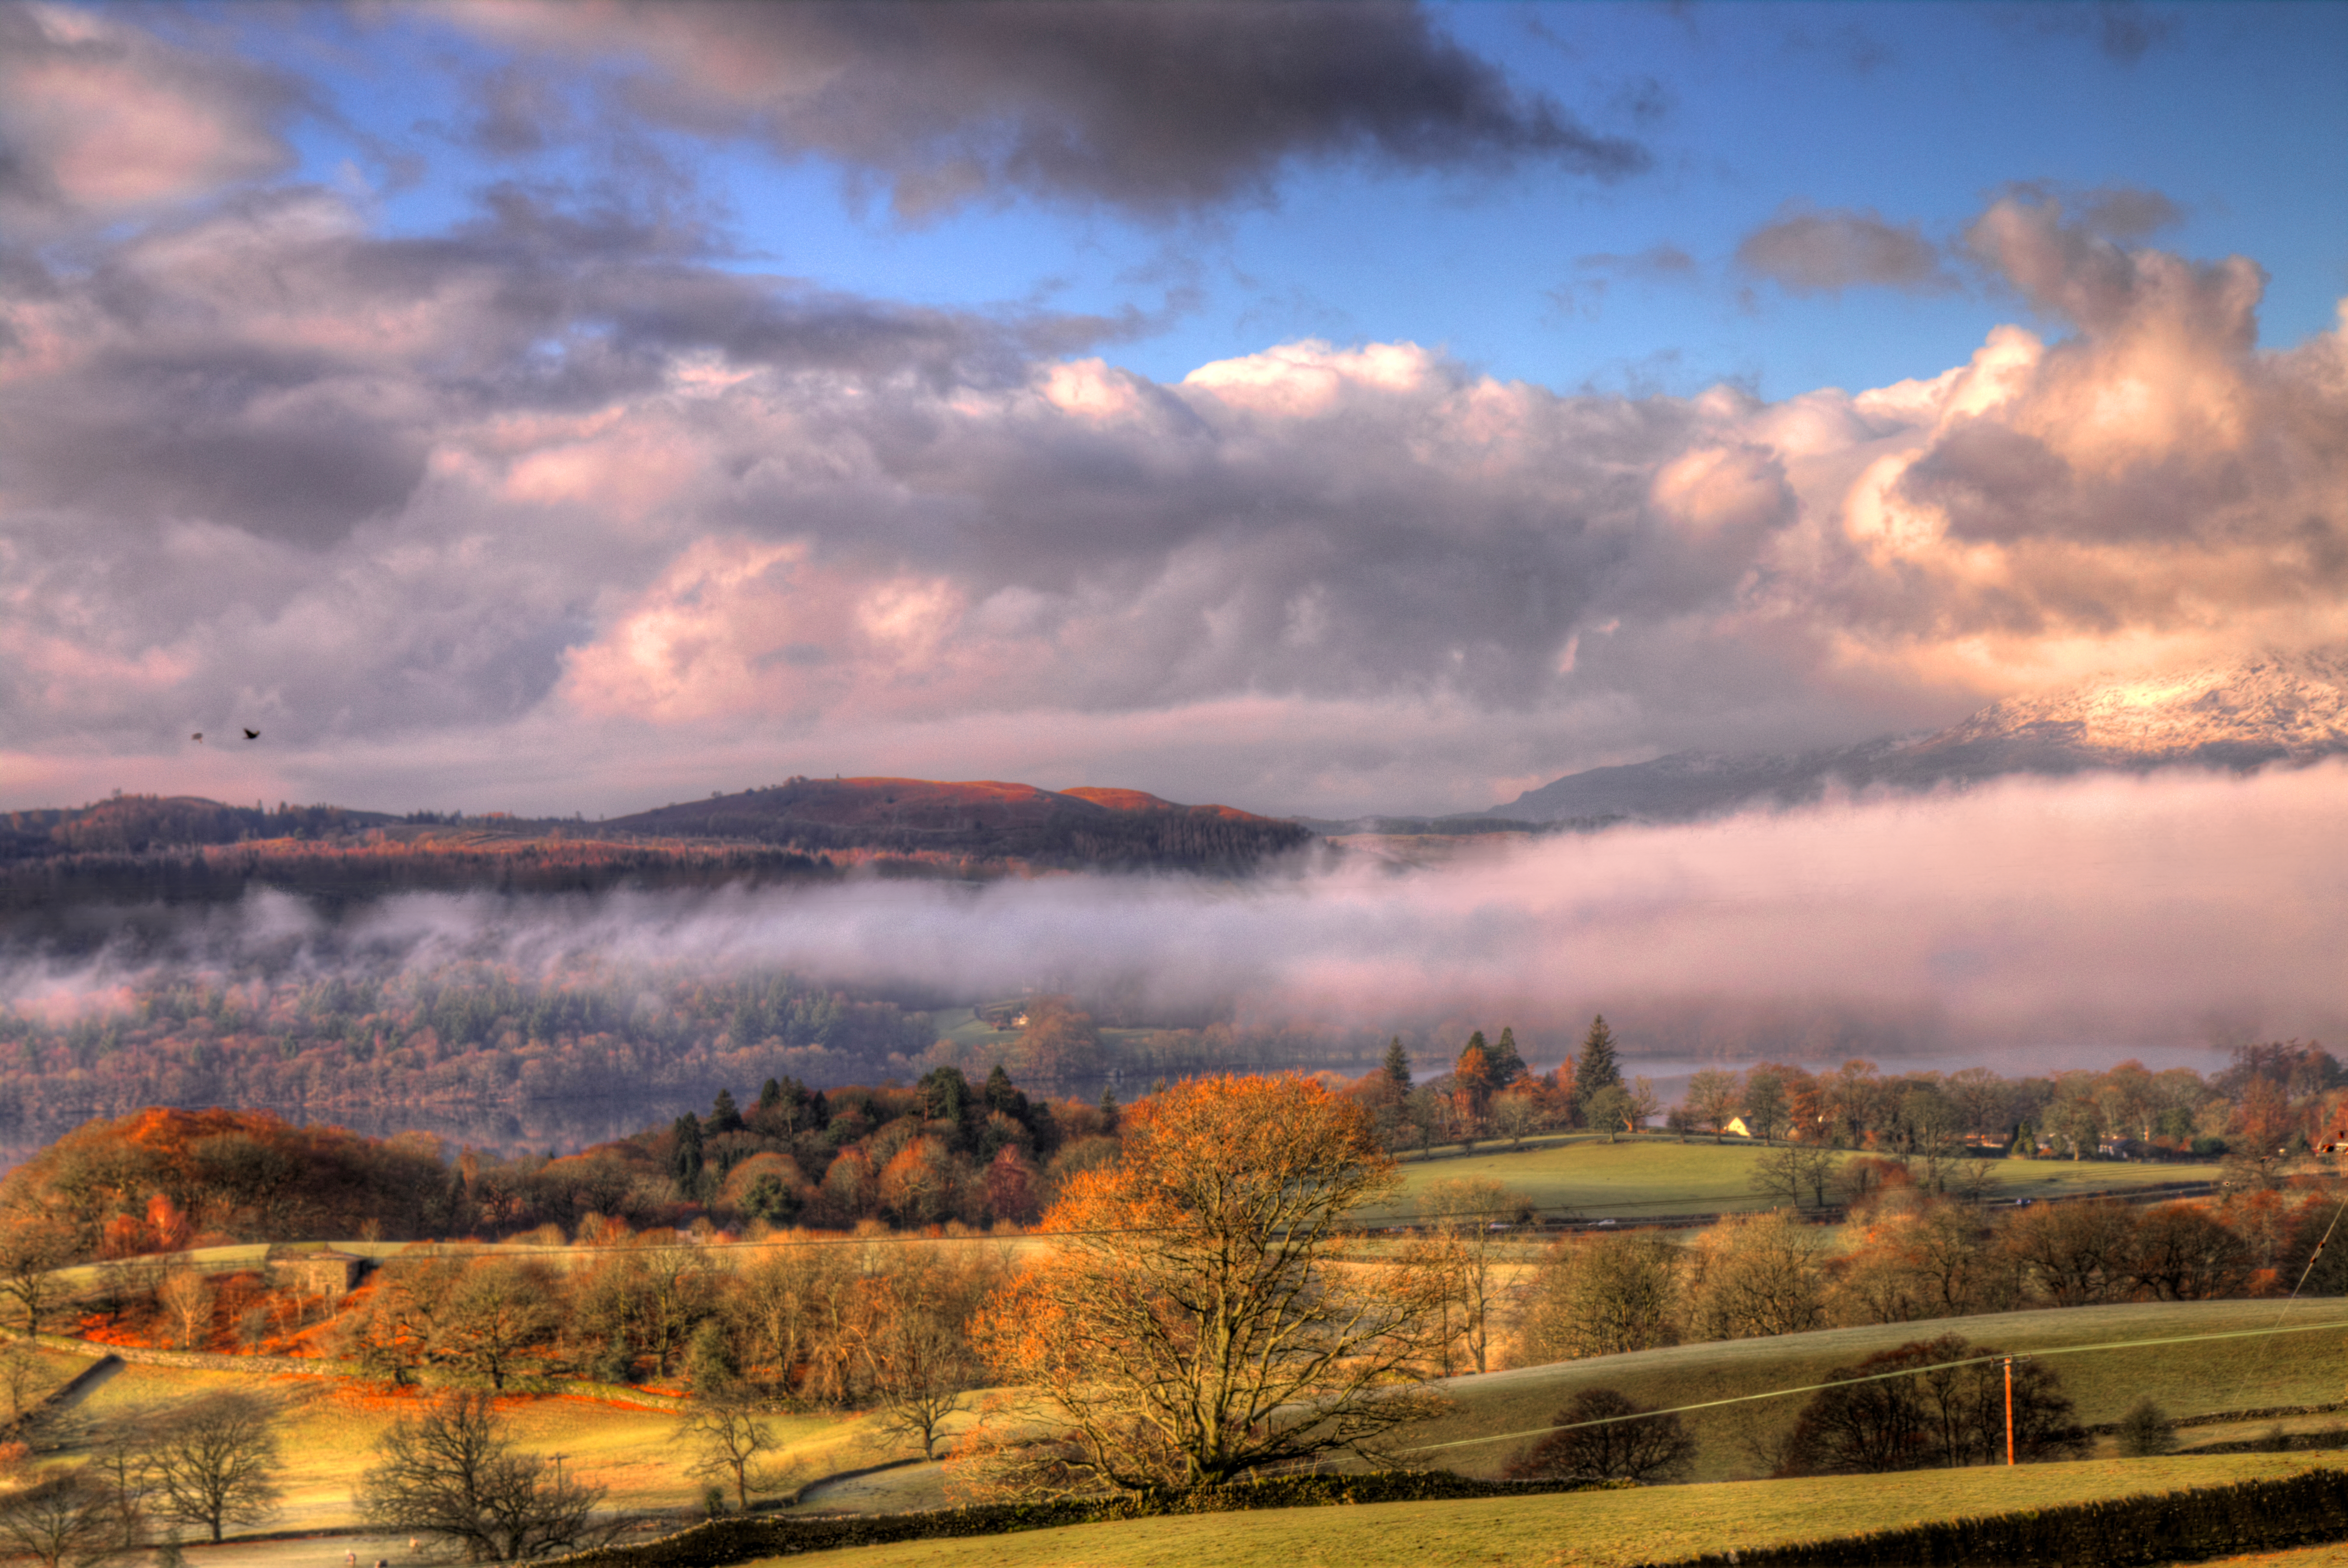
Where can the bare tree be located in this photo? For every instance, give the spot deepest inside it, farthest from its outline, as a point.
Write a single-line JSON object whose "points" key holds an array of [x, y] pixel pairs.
{"points": [[60, 1522], [1796, 1173], [186, 1298], [22, 1378], [32, 1249], [1602, 1295], [216, 1463], [1463, 1211], [912, 1330], [494, 1317], [452, 1473], [731, 1436], [1712, 1097], [1758, 1275]]}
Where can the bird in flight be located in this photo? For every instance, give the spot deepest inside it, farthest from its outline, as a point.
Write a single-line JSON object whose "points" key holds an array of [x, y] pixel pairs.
{"points": [[198, 737], [253, 735]]}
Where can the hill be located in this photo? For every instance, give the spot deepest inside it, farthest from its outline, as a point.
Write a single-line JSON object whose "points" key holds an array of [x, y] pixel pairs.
{"points": [[1090, 828], [2241, 714]]}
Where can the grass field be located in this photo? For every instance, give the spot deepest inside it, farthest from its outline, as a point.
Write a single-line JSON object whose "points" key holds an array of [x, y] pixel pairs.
{"points": [[327, 1430], [1653, 1175], [2184, 1379], [1597, 1528]]}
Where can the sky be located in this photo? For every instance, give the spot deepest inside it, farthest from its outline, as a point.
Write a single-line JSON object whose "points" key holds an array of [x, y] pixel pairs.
{"points": [[1313, 408]]}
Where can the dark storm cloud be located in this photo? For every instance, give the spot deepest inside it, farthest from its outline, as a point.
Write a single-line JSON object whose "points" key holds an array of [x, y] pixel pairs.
{"points": [[1157, 108], [1813, 250]]}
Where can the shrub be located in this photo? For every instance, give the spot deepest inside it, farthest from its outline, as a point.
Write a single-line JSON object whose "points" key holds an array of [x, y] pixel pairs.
{"points": [[1617, 1448], [2147, 1430]]}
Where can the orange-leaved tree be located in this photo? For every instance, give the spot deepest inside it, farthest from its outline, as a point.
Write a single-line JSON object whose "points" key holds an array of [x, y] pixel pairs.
{"points": [[1198, 1316]]}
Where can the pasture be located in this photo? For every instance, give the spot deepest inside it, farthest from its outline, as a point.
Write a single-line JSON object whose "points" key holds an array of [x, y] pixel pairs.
{"points": [[1600, 1529], [1587, 1177], [2196, 1375]]}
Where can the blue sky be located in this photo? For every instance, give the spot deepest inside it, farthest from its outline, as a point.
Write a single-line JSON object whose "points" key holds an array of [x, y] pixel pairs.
{"points": [[569, 406], [1918, 113]]}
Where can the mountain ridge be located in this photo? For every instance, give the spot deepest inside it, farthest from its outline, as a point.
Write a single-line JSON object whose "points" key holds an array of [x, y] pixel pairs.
{"points": [[2238, 715]]}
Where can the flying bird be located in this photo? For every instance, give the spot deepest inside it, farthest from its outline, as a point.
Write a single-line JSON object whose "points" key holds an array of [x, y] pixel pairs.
{"points": [[198, 737], [253, 735]]}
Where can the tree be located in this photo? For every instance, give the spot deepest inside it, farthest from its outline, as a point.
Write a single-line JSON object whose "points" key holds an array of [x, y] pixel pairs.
{"points": [[2147, 1431], [1712, 1097], [1765, 1103], [1797, 1172], [1513, 1116], [730, 1437], [1462, 1211], [186, 1298], [216, 1463], [1602, 1295], [1609, 1108], [2078, 1253], [496, 1313], [1595, 1068], [1195, 1321], [724, 1115], [1472, 1075], [1950, 1412], [1757, 1275], [1644, 1102], [1398, 1066], [2181, 1252], [451, 1471], [1507, 1065], [62, 1520], [911, 1332], [685, 1159], [1603, 1436], [32, 1248]]}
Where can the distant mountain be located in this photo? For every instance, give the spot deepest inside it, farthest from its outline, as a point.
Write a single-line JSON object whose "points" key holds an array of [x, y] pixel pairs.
{"points": [[2245, 714]]}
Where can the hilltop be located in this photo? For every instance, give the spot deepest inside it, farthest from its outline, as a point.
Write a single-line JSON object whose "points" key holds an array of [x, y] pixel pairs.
{"points": [[1085, 826], [2244, 713], [68, 874]]}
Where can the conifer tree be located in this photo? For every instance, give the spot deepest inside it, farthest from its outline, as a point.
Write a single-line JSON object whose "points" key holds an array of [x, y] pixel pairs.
{"points": [[724, 1116], [1508, 1066], [1597, 1069], [1109, 1109], [1398, 1066], [684, 1160]]}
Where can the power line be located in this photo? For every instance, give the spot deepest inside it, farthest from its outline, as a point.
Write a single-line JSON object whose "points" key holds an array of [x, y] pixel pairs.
{"points": [[1878, 1378]]}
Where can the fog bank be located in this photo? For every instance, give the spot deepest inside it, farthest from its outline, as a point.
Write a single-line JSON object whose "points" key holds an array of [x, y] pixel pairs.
{"points": [[2158, 914]]}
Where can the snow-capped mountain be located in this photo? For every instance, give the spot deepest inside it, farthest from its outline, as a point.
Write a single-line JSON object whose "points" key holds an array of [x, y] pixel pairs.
{"points": [[2288, 709]]}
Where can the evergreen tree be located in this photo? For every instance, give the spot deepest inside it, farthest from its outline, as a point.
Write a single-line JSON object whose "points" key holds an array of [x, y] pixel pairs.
{"points": [[1108, 1107], [722, 1116], [770, 1094], [684, 1160], [1597, 1069], [1001, 1094], [1397, 1067], [1508, 1066]]}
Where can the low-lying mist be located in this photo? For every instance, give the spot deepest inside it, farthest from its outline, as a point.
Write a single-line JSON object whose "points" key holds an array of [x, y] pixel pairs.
{"points": [[2098, 914]]}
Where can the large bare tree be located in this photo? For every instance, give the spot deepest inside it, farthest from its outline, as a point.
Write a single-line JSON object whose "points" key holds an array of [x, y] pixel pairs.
{"points": [[1193, 1321], [452, 1471], [216, 1463]]}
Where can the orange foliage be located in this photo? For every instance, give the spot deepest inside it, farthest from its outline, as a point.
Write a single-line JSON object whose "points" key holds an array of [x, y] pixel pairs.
{"points": [[1194, 1322]]}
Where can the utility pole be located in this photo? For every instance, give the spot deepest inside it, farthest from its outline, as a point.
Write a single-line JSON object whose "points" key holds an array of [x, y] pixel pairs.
{"points": [[2009, 1410]]}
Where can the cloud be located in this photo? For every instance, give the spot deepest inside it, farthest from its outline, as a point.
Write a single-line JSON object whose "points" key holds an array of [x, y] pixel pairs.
{"points": [[564, 509], [2108, 915], [1811, 251], [1154, 109], [99, 120]]}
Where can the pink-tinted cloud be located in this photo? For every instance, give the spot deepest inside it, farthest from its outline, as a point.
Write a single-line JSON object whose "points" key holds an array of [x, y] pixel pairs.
{"points": [[98, 119]]}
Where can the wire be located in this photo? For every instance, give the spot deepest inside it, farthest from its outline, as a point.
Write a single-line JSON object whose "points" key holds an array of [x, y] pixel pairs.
{"points": [[1880, 1377]]}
